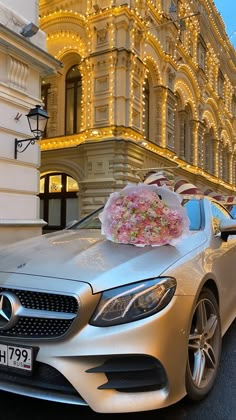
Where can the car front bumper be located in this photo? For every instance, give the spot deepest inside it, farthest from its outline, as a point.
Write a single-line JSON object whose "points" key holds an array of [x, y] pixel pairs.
{"points": [[137, 366]]}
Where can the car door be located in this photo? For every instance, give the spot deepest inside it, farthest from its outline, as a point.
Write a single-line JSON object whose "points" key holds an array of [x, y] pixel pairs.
{"points": [[224, 264]]}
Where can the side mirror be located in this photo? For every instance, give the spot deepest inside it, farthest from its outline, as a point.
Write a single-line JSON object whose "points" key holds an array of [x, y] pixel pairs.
{"points": [[227, 227]]}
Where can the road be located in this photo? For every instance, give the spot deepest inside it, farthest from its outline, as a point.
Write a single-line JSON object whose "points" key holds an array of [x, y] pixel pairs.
{"points": [[220, 404]]}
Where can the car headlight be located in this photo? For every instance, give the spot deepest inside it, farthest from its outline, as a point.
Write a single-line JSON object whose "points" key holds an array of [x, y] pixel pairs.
{"points": [[133, 302]]}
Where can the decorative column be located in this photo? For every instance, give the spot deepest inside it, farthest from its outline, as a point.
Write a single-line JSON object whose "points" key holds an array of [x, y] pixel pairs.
{"points": [[216, 157], [194, 125], [160, 122], [52, 108], [230, 167], [200, 146], [182, 134]]}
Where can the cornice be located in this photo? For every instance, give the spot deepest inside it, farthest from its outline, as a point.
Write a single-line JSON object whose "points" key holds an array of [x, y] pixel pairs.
{"points": [[15, 44], [62, 17]]}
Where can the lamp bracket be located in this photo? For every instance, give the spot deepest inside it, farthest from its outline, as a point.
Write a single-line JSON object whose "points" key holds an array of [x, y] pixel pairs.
{"points": [[19, 145]]}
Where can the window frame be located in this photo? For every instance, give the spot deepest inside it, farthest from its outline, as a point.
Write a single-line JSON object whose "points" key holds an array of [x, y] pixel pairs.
{"points": [[62, 195], [76, 82]]}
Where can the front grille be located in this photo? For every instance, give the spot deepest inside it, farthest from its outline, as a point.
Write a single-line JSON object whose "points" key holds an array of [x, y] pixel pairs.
{"points": [[38, 328], [45, 301], [43, 315], [133, 373]]}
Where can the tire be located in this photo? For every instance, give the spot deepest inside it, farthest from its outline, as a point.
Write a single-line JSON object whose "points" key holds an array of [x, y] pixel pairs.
{"points": [[204, 347]]}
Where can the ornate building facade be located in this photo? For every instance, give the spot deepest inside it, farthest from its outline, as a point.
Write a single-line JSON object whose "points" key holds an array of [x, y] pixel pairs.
{"points": [[144, 84]]}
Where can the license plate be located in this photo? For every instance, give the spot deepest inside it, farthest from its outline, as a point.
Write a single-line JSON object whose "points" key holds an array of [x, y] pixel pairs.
{"points": [[17, 357]]}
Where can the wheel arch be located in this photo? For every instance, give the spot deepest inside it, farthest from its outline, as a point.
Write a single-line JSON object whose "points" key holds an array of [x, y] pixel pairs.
{"points": [[210, 284]]}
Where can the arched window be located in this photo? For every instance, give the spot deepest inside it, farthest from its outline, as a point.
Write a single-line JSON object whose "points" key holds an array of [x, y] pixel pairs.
{"points": [[184, 132], [201, 53], [208, 151], [73, 101], [58, 200], [152, 105], [225, 160]]}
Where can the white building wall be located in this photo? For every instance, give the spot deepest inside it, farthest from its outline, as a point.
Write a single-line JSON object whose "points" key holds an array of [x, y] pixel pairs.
{"points": [[23, 62], [26, 8]]}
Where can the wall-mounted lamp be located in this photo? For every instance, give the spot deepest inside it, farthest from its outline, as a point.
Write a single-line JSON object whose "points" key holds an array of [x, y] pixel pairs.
{"points": [[29, 30], [37, 119]]}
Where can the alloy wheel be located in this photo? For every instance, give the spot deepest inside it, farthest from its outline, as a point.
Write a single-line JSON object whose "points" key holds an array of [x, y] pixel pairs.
{"points": [[204, 347]]}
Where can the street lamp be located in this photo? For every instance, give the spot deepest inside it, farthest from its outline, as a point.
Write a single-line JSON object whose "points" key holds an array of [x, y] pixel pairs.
{"points": [[37, 119]]}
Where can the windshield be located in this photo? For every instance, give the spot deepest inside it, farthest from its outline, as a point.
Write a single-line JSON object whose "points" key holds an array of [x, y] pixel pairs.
{"points": [[192, 206], [89, 222]]}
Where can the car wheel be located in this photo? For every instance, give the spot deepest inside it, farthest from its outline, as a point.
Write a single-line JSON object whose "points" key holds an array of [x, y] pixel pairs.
{"points": [[204, 346]]}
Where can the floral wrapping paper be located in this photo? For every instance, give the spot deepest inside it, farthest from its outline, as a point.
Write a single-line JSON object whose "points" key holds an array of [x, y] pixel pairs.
{"points": [[144, 215]]}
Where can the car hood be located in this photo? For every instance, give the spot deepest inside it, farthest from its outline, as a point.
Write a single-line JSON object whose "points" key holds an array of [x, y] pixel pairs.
{"points": [[85, 256]]}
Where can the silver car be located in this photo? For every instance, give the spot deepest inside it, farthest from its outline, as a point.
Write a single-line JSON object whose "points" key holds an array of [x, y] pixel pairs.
{"points": [[117, 327]]}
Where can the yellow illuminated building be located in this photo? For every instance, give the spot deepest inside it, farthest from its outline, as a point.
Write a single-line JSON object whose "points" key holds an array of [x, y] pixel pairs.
{"points": [[143, 84]]}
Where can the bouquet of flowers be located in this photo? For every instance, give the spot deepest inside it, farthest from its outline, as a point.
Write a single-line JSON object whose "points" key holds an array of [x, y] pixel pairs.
{"points": [[144, 215]]}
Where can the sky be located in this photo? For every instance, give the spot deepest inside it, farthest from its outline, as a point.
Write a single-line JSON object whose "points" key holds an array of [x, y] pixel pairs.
{"points": [[227, 9]]}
